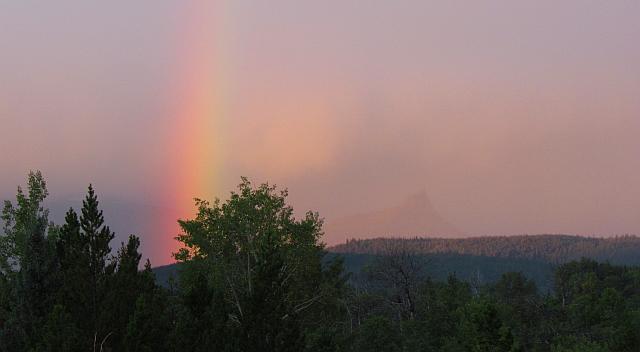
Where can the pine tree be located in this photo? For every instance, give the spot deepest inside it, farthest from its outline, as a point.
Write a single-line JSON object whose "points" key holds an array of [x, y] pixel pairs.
{"points": [[98, 236], [75, 294], [60, 334], [70, 244], [148, 325], [125, 287]]}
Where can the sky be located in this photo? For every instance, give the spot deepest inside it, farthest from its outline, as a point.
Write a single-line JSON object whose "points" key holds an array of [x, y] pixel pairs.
{"points": [[514, 117]]}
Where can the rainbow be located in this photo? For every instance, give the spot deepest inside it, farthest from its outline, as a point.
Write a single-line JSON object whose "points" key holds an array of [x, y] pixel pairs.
{"points": [[196, 134]]}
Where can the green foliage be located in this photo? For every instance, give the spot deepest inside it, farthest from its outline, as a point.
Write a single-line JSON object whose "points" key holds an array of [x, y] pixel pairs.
{"points": [[255, 278], [27, 267], [96, 234], [60, 334], [573, 344], [75, 293], [520, 307], [601, 302], [481, 328], [260, 263], [60, 288], [86, 270], [125, 287], [378, 334], [327, 338], [148, 325], [36, 279], [22, 219]]}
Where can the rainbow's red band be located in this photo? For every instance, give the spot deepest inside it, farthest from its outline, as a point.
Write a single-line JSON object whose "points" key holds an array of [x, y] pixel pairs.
{"points": [[195, 141]]}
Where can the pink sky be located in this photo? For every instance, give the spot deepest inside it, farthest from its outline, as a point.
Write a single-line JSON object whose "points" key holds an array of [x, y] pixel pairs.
{"points": [[515, 117]]}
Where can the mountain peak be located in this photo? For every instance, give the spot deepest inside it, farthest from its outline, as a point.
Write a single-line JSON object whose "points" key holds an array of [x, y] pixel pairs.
{"points": [[419, 199], [415, 216]]}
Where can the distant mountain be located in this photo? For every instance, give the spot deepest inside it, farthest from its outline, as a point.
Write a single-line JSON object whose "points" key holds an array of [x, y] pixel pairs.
{"points": [[414, 217], [556, 249], [167, 275], [485, 259], [480, 259]]}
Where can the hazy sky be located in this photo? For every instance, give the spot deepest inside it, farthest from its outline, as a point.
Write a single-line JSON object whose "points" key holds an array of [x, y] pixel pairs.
{"points": [[514, 116]]}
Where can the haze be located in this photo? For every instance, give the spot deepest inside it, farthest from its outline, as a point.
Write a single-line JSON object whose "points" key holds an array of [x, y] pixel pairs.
{"points": [[514, 117]]}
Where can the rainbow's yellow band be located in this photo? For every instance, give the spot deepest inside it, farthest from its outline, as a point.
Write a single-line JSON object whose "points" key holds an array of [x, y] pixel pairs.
{"points": [[198, 137]]}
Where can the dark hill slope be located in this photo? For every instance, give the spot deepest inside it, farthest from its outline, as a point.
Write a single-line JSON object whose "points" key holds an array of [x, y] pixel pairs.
{"points": [[556, 249], [480, 259], [477, 269]]}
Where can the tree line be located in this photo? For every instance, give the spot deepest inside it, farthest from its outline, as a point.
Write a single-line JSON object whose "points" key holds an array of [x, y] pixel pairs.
{"points": [[556, 249], [255, 278]]}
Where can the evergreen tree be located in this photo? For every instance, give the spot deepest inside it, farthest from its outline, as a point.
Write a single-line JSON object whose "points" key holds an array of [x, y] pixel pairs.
{"points": [[124, 288], [71, 245], [481, 329], [98, 237], [379, 334], [148, 325], [60, 333], [74, 296], [520, 306]]}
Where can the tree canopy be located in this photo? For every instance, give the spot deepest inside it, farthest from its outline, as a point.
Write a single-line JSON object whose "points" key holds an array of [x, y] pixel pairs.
{"points": [[253, 277], [263, 265]]}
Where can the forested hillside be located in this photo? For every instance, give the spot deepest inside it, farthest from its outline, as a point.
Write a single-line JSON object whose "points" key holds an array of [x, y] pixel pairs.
{"points": [[481, 259], [556, 249], [254, 278], [467, 268]]}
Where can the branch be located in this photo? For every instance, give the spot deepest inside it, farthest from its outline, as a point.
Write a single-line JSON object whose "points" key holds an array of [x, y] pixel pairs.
{"points": [[235, 296], [306, 304], [105, 340]]}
